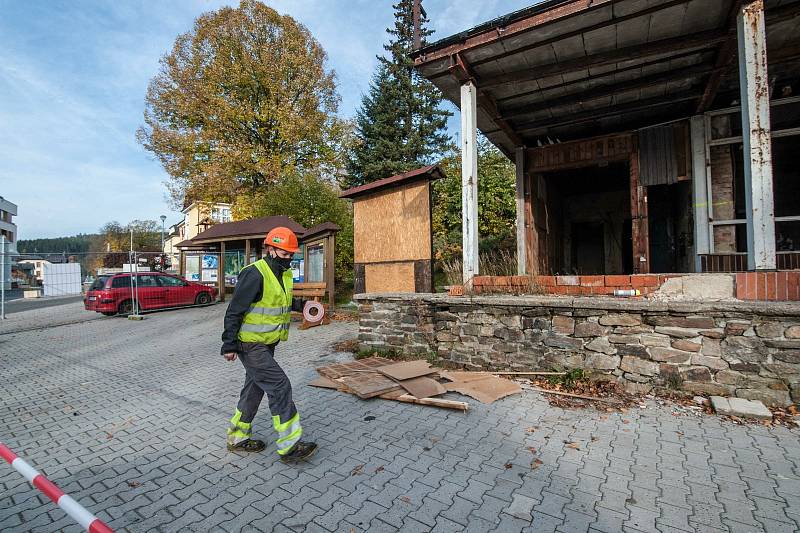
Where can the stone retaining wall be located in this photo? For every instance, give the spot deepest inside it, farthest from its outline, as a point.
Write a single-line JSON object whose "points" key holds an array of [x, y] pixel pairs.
{"points": [[750, 350]]}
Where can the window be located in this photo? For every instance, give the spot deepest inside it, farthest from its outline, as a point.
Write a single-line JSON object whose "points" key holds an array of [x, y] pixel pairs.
{"points": [[147, 281], [121, 282], [316, 263], [98, 284], [169, 281]]}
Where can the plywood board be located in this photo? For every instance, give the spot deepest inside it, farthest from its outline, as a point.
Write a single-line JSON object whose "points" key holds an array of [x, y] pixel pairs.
{"points": [[324, 383], [487, 390], [369, 384], [407, 370], [423, 387], [353, 367], [393, 225], [390, 277], [465, 377]]}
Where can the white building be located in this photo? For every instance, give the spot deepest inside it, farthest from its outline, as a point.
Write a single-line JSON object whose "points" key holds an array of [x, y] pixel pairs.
{"points": [[8, 230], [197, 217]]}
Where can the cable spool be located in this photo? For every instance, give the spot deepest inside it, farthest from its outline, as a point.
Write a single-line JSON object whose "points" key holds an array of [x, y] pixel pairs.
{"points": [[313, 311]]}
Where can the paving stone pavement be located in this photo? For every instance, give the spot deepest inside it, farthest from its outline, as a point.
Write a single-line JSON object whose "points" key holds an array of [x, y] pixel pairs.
{"points": [[129, 418]]}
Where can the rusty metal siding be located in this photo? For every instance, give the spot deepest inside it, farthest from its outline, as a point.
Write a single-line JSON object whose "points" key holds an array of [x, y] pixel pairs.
{"points": [[657, 156]]}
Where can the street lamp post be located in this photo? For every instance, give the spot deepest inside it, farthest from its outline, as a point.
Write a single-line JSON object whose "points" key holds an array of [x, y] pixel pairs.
{"points": [[163, 218]]}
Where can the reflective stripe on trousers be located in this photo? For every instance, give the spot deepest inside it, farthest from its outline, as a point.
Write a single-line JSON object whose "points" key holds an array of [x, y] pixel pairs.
{"points": [[288, 433], [239, 431]]}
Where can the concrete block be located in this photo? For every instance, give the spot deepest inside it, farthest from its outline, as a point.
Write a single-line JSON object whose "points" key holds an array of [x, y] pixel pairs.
{"points": [[740, 407]]}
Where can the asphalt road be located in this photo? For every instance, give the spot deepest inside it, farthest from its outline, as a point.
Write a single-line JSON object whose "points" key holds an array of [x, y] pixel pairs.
{"points": [[15, 306]]}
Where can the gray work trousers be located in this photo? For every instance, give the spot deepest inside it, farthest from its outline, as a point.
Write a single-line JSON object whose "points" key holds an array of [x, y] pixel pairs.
{"points": [[264, 376]]}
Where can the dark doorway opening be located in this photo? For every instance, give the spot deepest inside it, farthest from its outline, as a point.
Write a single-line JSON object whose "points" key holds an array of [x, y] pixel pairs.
{"points": [[670, 227], [588, 222]]}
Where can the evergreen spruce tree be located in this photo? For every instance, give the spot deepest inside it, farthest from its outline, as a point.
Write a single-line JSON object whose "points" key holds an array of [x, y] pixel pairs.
{"points": [[400, 125]]}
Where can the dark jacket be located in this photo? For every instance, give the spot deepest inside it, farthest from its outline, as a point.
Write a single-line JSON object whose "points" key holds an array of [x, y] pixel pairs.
{"points": [[249, 289]]}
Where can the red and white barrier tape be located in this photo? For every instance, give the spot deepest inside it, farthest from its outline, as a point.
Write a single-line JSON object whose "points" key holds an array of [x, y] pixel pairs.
{"points": [[87, 520]]}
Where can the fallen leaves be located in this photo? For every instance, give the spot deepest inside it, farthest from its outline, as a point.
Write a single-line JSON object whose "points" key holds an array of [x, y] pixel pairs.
{"points": [[573, 445], [601, 390], [508, 466], [379, 469], [357, 470], [405, 499], [134, 484], [531, 449], [536, 463]]}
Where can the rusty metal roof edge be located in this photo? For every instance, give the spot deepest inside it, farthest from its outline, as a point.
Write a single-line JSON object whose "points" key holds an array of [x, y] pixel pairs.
{"points": [[426, 173], [500, 21]]}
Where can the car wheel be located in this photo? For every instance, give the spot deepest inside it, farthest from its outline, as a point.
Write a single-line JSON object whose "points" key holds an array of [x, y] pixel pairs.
{"points": [[203, 299], [125, 307], [108, 313]]}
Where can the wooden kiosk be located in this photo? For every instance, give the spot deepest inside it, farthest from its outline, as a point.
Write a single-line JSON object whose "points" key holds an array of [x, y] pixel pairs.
{"points": [[393, 243]]}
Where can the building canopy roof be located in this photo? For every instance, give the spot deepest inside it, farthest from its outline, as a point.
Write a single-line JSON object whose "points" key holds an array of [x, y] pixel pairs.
{"points": [[430, 172], [569, 69], [254, 228]]}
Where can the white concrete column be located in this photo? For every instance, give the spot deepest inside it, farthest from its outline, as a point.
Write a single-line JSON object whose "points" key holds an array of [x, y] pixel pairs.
{"points": [[469, 180], [754, 88], [521, 233], [702, 210]]}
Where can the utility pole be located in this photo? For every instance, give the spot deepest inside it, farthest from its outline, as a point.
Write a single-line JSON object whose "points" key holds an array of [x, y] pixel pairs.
{"points": [[163, 218], [2, 277]]}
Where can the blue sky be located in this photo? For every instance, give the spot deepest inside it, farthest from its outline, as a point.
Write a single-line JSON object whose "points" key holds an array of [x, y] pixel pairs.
{"points": [[73, 75]]}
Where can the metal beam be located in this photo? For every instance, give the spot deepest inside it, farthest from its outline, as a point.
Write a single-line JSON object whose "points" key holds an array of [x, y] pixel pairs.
{"points": [[588, 116], [469, 180], [595, 93], [722, 64], [568, 35], [699, 41], [699, 190], [464, 73], [582, 81], [754, 88], [520, 171]]}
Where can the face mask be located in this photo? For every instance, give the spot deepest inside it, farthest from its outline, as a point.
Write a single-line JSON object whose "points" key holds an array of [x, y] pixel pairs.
{"points": [[283, 262]]}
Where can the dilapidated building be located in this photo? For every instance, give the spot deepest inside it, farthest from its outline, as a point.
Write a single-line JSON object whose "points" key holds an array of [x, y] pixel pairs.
{"points": [[649, 136]]}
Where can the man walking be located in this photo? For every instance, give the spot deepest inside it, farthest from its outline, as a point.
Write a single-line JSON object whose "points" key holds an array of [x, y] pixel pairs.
{"points": [[257, 319]]}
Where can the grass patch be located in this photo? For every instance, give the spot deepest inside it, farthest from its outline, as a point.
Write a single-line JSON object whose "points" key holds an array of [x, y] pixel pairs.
{"points": [[568, 380]]}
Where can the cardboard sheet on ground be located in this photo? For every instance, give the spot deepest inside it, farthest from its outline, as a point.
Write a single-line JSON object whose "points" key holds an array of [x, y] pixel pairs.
{"points": [[423, 387], [465, 377], [486, 390], [407, 370], [324, 383], [369, 384], [336, 371]]}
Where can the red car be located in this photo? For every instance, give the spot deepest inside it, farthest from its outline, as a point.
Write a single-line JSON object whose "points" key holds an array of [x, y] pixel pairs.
{"points": [[111, 294]]}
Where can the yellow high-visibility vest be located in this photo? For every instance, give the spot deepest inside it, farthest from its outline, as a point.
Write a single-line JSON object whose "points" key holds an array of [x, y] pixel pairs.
{"points": [[267, 320]]}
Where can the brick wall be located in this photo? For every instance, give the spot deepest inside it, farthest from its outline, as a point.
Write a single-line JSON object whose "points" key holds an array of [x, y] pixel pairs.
{"points": [[768, 286], [569, 285]]}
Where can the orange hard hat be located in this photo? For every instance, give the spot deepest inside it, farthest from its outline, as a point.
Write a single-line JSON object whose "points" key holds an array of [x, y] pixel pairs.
{"points": [[282, 238]]}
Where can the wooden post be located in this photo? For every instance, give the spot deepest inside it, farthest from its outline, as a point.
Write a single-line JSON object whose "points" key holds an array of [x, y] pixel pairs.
{"points": [[330, 269], [221, 271], [522, 266], [639, 230], [246, 252], [469, 180], [754, 88]]}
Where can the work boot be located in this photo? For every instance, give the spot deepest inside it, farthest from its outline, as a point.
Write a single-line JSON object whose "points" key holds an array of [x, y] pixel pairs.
{"points": [[249, 445], [300, 452]]}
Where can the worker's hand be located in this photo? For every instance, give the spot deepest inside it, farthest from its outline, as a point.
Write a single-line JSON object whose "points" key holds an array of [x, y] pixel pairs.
{"points": [[230, 356]]}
